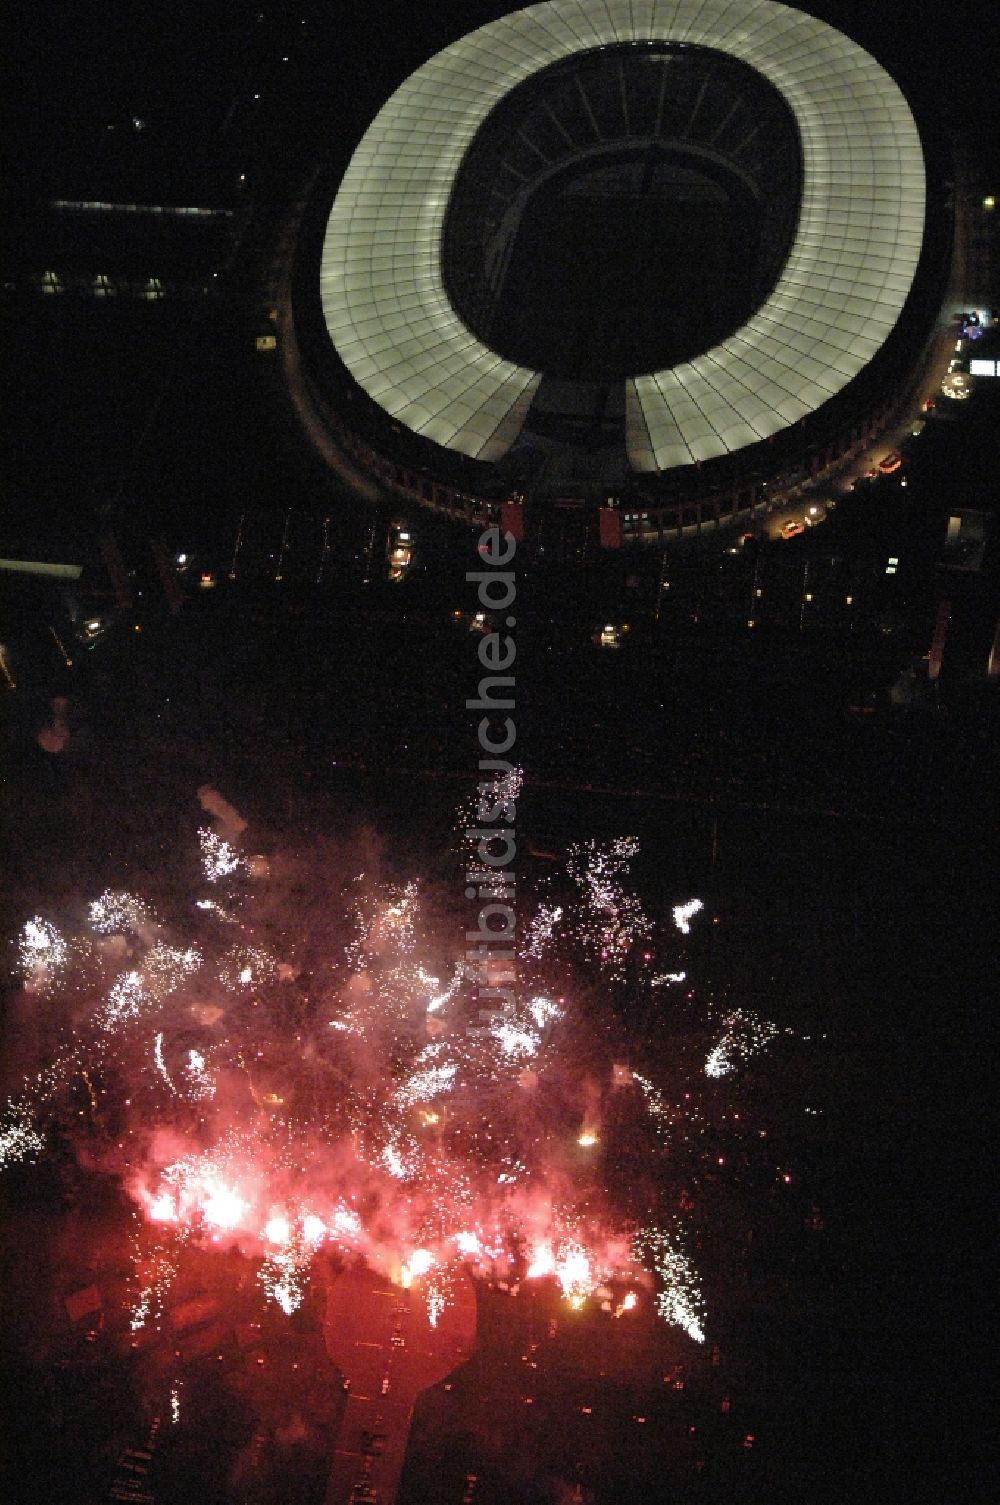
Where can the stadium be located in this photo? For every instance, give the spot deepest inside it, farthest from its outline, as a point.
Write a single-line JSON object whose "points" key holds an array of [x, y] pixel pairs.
{"points": [[656, 267]]}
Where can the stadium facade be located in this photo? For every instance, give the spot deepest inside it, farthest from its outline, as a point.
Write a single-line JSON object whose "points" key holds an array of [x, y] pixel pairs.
{"points": [[668, 262]]}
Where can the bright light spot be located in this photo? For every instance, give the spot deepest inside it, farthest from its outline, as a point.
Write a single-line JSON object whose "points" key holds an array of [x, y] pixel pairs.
{"points": [[542, 1263], [224, 1207], [163, 1208], [421, 1261], [683, 913], [573, 1273]]}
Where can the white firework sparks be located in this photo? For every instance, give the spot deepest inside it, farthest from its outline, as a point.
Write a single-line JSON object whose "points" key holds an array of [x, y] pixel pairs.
{"points": [[439, 1000], [169, 967], [160, 1063], [656, 1104], [396, 1164], [514, 1042], [494, 802], [213, 908], [611, 921], [424, 1085], [544, 1011], [344, 1225], [118, 913], [218, 859], [163, 970], [42, 954], [201, 1084], [679, 1300], [685, 913], [718, 1062], [745, 1034], [19, 1139], [541, 930], [126, 1000], [247, 967], [156, 1271]]}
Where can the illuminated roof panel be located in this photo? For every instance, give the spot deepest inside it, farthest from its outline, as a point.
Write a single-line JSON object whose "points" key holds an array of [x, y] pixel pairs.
{"points": [[840, 293]]}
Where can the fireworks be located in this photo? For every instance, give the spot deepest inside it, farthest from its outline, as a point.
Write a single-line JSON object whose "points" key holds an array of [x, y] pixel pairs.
{"points": [[684, 913], [126, 999], [367, 1111], [679, 1300], [246, 967], [43, 954], [541, 930], [116, 913], [424, 1084], [19, 1140], [200, 1083], [218, 859], [745, 1034], [161, 1065], [611, 922]]}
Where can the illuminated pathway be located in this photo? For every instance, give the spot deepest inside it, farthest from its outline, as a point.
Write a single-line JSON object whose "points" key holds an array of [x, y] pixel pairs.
{"points": [[378, 1335]]}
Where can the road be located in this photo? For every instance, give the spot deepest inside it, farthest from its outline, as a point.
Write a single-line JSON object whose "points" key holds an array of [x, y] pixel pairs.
{"points": [[379, 1336]]}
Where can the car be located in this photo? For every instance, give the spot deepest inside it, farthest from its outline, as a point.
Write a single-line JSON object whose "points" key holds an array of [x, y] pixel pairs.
{"points": [[792, 529]]}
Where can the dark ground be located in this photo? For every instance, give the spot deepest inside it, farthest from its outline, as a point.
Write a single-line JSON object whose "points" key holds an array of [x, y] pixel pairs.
{"points": [[853, 881]]}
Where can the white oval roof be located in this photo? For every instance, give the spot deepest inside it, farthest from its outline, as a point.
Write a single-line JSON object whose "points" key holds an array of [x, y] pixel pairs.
{"points": [[839, 295]]}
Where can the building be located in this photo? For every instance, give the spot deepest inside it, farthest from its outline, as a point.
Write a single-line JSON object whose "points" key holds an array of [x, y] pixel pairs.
{"points": [[459, 325]]}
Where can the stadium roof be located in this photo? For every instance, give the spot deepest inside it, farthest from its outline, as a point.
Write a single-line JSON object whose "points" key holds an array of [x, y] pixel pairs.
{"points": [[841, 291]]}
